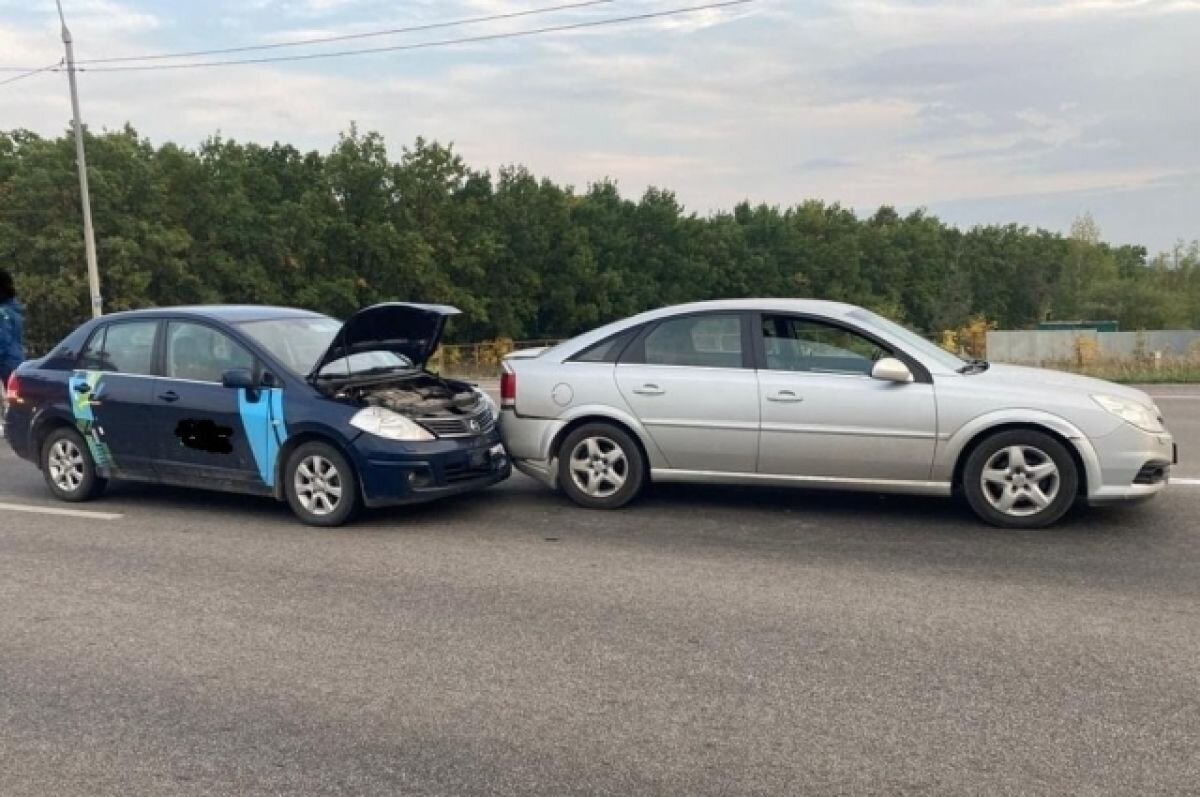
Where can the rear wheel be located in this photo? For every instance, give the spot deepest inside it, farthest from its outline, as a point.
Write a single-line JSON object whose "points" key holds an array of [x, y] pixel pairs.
{"points": [[1020, 480], [601, 466], [68, 467], [321, 487]]}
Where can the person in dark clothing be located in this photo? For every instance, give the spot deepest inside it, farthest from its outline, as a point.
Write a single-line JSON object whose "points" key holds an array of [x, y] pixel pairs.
{"points": [[12, 328]]}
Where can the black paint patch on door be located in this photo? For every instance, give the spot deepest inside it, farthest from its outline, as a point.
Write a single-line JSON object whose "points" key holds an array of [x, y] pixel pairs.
{"points": [[205, 436]]}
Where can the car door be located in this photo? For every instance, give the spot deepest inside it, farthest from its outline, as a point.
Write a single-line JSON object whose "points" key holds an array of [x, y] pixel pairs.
{"points": [[690, 381], [823, 415], [112, 392], [200, 432]]}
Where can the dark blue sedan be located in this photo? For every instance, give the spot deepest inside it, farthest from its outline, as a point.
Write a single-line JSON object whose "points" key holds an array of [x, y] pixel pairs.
{"points": [[264, 400]]}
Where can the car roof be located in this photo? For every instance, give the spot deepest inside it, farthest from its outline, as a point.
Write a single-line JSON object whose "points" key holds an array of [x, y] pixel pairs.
{"points": [[815, 306], [818, 306], [229, 313]]}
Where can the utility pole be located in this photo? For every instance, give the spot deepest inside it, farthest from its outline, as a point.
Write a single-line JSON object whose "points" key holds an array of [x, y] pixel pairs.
{"points": [[89, 236]]}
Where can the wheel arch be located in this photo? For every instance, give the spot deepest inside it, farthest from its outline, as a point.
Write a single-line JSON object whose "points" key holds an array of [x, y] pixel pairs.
{"points": [[42, 428], [311, 436], [1069, 443], [583, 420]]}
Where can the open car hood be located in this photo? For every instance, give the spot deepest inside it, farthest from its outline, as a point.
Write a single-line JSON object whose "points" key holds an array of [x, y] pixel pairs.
{"points": [[411, 330]]}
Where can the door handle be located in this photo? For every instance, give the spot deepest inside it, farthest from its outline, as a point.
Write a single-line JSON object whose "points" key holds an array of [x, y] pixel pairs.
{"points": [[649, 390], [785, 396], [170, 396]]}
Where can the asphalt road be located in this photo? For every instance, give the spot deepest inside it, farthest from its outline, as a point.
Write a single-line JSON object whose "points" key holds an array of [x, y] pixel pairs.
{"points": [[704, 641]]}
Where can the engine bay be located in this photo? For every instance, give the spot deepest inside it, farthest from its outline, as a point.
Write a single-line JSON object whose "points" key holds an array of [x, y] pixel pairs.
{"points": [[422, 395]]}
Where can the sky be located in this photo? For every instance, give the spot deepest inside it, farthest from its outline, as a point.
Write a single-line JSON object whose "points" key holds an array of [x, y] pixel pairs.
{"points": [[992, 111]]}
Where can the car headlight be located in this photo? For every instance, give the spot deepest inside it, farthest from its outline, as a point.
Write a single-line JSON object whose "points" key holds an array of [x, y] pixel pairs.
{"points": [[489, 403], [1136, 413], [389, 425]]}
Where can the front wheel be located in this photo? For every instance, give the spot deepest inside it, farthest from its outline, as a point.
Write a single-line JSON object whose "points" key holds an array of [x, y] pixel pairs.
{"points": [[321, 487], [600, 466], [68, 467], [1020, 480]]}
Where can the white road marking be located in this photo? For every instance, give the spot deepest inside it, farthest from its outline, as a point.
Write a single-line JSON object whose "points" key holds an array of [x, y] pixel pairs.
{"points": [[50, 510], [1186, 482]]}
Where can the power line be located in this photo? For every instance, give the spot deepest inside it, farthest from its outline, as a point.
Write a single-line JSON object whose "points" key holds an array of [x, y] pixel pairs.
{"points": [[427, 45], [343, 37], [30, 73], [351, 36]]}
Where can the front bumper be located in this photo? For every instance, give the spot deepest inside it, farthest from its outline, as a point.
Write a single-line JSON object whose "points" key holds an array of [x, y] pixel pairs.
{"points": [[395, 473], [1125, 457]]}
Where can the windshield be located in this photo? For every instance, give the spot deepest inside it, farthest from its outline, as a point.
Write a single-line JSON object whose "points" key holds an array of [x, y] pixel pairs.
{"points": [[366, 362], [909, 339], [300, 342], [296, 342]]}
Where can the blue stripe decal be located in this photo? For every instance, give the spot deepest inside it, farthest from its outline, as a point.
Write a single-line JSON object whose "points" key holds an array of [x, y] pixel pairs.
{"points": [[263, 421], [85, 419]]}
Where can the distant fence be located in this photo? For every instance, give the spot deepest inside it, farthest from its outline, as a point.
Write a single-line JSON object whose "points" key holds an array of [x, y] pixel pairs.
{"points": [[479, 359], [1041, 347]]}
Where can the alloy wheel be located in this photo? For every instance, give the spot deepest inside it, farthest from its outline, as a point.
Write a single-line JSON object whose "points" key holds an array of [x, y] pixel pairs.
{"points": [[318, 485], [1020, 480], [66, 465], [599, 467]]}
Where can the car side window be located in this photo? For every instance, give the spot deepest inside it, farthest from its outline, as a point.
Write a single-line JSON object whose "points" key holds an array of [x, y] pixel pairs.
{"points": [[703, 341], [122, 348], [92, 356], [797, 344], [201, 354], [607, 350]]}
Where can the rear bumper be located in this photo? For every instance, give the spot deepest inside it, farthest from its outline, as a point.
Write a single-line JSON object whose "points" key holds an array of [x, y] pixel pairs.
{"points": [[410, 473], [539, 469], [530, 442], [17, 421]]}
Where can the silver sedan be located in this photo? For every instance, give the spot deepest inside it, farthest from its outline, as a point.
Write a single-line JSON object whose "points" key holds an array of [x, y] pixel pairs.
{"points": [[826, 395]]}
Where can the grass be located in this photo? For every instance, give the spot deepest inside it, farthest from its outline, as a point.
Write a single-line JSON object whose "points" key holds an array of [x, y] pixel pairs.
{"points": [[1136, 371]]}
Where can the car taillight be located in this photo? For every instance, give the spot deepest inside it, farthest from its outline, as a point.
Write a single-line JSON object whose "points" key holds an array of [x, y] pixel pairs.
{"points": [[12, 391], [508, 389]]}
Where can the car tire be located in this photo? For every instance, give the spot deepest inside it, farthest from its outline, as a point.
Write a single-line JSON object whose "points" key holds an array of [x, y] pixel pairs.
{"points": [[1021, 479], [68, 467], [600, 466], [320, 485]]}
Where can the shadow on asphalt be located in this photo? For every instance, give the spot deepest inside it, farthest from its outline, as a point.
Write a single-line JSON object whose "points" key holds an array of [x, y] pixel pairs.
{"points": [[776, 509], [1146, 547]]}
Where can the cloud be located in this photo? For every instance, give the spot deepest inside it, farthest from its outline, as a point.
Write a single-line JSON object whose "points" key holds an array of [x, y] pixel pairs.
{"points": [[1020, 106], [826, 163]]}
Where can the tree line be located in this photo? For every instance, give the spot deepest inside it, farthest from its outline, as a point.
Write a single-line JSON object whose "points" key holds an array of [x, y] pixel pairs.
{"points": [[524, 257]]}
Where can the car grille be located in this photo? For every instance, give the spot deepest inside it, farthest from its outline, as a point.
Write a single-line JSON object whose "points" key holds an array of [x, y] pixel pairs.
{"points": [[465, 471], [473, 425]]}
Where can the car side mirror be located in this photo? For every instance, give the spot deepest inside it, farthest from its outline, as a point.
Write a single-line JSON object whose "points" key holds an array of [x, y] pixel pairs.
{"points": [[238, 377], [889, 369]]}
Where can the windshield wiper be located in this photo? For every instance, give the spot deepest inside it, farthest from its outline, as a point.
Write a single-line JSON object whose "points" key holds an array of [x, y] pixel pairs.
{"points": [[381, 369], [975, 367], [376, 371]]}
